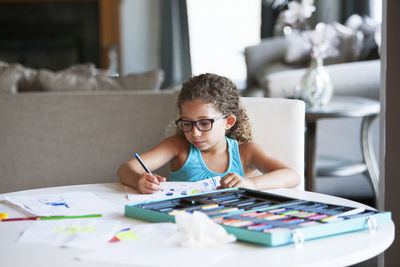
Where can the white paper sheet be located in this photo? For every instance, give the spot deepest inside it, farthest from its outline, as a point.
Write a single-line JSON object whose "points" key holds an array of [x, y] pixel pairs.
{"points": [[153, 254], [177, 189], [73, 203], [147, 233], [155, 232], [90, 233]]}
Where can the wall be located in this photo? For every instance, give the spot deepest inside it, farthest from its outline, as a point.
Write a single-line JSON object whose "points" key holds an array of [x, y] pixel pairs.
{"points": [[140, 35]]}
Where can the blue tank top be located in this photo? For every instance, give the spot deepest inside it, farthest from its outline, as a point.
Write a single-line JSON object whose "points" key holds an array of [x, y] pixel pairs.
{"points": [[194, 169]]}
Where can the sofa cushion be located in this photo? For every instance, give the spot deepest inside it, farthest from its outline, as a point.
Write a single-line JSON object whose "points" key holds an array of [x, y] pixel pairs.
{"points": [[150, 80], [263, 75], [16, 78], [360, 78], [73, 80], [9, 78], [368, 27], [83, 69], [67, 81], [349, 47]]}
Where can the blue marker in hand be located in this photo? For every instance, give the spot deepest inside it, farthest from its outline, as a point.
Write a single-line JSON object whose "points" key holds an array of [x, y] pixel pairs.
{"points": [[142, 163]]}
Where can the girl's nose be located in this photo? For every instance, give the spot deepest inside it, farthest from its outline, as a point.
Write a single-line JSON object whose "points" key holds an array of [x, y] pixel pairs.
{"points": [[195, 131]]}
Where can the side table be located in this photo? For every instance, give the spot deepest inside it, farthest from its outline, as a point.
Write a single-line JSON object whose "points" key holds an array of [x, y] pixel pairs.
{"points": [[343, 107]]}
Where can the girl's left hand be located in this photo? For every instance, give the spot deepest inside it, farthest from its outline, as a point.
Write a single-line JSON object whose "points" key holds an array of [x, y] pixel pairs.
{"points": [[235, 180]]}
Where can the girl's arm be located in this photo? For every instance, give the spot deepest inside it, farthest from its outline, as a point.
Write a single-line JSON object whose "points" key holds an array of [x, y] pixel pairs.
{"points": [[132, 174], [276, 174]]}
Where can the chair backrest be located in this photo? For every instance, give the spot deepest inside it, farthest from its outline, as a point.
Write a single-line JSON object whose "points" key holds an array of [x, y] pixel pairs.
{"points": [[278, 125]]}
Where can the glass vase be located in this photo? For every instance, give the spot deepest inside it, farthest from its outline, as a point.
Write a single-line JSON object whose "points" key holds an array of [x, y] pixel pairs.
{"points": [[316, 86]]}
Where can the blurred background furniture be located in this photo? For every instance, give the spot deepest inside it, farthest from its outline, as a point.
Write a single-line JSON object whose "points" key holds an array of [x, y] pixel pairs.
{"points": [[270, 76], [343, 107], [17, 78]]}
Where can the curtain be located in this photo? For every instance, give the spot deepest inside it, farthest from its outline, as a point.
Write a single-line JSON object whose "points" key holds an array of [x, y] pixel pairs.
{"points": [[350, 7], [268, 18], [175, 43]]}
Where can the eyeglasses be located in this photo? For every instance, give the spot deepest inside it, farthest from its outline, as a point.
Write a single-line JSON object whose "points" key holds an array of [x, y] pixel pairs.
{"points": [[203, 125]]}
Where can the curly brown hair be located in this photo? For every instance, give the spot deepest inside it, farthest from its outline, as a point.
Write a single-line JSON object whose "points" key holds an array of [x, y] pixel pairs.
{"points": [[224, 95]]}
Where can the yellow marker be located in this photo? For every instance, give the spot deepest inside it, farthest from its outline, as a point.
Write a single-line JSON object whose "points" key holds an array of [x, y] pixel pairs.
{"points": [[3, 215], [175, 212], [194, 191], [210, 206], [331, 218]]}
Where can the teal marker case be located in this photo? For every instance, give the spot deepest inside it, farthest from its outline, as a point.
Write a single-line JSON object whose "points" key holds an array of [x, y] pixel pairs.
{"points": [[287, 229]]}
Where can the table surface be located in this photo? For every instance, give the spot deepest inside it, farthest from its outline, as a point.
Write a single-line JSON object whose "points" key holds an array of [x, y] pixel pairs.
{"points": [[339, 250], [344, 106]]}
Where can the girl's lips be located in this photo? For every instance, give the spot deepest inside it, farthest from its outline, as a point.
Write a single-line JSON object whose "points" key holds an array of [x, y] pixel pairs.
{"points": [[198, 143]]}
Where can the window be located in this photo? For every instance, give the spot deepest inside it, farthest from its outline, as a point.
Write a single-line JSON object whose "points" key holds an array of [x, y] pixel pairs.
{"points": [[219, 31], [376, 10]]}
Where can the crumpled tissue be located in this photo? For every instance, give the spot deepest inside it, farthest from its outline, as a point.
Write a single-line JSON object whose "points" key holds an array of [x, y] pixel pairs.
{"points": [[198, 230]]}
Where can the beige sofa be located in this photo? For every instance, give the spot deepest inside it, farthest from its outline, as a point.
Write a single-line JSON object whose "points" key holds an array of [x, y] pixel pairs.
{"points": [[52, 139], [268, 74]]}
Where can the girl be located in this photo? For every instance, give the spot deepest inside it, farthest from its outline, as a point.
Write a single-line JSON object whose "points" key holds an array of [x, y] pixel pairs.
{"points": [[214, 139]]}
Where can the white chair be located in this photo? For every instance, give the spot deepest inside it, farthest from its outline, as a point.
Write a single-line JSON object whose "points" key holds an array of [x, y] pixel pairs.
{"points": [[278, 124]]}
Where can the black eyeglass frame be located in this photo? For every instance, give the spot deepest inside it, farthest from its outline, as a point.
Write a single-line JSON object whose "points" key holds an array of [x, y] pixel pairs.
{"points": [[212, 120]]}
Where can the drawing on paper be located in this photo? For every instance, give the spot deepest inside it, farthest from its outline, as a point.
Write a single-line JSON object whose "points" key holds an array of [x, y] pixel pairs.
{"points": [[176, 189], [54, 201], [124, 235]]}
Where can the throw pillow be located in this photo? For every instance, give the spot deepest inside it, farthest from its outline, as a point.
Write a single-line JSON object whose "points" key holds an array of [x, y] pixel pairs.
{"points": [[3, 65], [150, 80], [368, 27], [83, 69], [9, 77], [64, 81], [16, 78], [350, 44], [28, 81]]}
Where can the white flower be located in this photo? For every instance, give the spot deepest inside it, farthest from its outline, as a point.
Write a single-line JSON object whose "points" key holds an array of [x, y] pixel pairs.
{"points": [[307, 8], [323, 40], [276, 3], [297, 13]]}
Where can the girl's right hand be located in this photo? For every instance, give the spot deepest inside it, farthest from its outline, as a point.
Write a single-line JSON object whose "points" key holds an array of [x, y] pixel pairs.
{"points": [[148, 184]]}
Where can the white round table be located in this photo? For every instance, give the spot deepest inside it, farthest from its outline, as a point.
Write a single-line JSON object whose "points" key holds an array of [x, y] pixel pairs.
{"points": [[339, 250]]}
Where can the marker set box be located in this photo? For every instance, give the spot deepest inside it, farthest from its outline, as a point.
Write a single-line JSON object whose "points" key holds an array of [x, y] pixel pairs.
{"points": [[263, 218]]}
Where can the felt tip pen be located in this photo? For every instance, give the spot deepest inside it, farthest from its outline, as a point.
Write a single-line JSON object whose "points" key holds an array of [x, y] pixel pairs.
{"points": [[142, 163], [40, 218], [351, 212], [344, 214]]}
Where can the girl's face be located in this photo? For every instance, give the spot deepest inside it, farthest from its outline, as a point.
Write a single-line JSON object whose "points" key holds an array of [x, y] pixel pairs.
{"points": [[204, 140]]}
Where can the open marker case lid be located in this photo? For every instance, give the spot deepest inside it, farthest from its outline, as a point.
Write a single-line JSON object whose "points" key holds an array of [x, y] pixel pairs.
{"points": [[264, 218]]}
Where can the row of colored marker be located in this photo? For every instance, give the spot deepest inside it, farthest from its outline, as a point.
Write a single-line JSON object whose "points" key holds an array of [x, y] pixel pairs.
{"points": [[211, 210], [272, 220]]}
